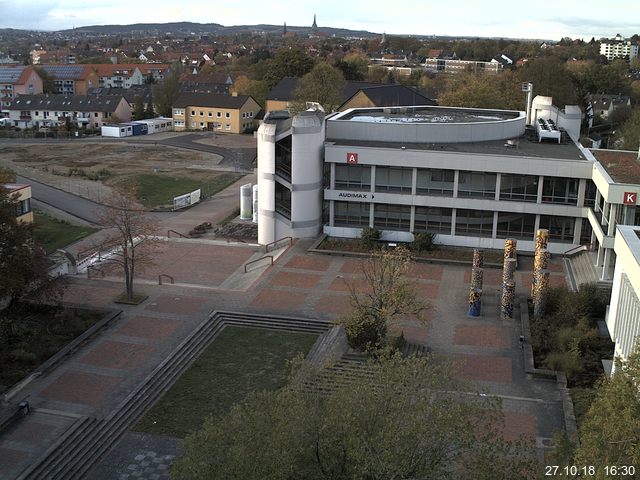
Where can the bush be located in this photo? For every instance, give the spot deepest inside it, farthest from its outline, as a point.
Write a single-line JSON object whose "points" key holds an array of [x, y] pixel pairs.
{"points": [[370, 237], [422, 242]]}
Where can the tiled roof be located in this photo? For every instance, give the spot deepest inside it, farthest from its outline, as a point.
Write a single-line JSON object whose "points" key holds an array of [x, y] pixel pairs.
{"points": [[68, 72], [212, 100], [11, 74], [395, 95], [67, 103]]}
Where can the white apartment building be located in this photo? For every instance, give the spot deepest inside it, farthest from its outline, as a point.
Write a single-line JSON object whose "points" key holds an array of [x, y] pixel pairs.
{"points": [[618, 48]]}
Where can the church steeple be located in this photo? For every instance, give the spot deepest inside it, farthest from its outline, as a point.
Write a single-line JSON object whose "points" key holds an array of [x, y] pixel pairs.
{"points": [[284, 31], [314, 25]]}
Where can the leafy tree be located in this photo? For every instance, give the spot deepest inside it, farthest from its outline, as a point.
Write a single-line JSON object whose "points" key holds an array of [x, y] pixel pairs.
{"points": [[47, 80], [254, 88], [131, 234], [354, 67], [166, 92], [286, 63], [481, 90], [138, 108], [323, 84], [387, 294], [394, 420], [23, 263], [149, 112], [610, 432], [629, 133], [370, 237], [550, 78]]}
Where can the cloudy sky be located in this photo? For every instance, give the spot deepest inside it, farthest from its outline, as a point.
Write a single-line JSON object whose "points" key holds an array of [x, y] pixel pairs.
{"points": [[544, 19]]}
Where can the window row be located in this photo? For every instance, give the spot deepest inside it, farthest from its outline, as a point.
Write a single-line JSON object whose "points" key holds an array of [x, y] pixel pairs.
{"points": [[521, 188], [210, 114], [473, 223]]}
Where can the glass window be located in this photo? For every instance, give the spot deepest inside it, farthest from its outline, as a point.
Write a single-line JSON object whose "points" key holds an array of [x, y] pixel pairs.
{"points": [[227, 115], [474, 223], [560, 190], [433, 219], [283, 200], [560, 228], [23, 207], [202, 114], [391, 217], [590, 194], [394, 179], [193, 112], [515, 225], [435, 182], [350, 214], [476, 184], [520, 188], [353, 177], [219, 114]]}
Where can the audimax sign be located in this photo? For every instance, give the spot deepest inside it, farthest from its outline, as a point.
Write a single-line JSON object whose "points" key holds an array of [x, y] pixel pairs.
{"points": [[363, 196]]}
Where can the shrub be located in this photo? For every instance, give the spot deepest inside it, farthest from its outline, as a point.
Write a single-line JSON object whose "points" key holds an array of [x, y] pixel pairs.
{"points": [[422, 242], [369, 237]]}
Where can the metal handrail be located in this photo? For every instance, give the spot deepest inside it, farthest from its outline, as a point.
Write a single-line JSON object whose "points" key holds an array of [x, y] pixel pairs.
{"points": [[178, 233], [266, 247], [571, 251], [165, 275], [257, 260]]}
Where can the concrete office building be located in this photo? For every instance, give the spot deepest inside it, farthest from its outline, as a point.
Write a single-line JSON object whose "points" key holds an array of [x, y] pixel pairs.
{"points": [[472, 177]]}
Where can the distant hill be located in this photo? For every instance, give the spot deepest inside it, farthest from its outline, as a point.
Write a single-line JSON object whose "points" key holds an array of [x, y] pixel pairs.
{"points": [[188, 28]]}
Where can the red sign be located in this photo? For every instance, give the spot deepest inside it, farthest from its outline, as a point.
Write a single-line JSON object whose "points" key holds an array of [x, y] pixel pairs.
{"points": [[630, 198], [352, 158]]}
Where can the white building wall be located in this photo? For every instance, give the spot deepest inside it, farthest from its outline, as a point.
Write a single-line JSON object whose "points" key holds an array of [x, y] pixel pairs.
{"points": [[623, 319]]}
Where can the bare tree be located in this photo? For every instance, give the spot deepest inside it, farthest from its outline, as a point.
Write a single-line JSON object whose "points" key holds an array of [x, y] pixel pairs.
{"points": [[131, 235]]}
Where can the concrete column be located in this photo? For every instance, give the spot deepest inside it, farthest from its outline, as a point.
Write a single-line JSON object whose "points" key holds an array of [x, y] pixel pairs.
{"points": [[542, 293], [456, 178], [613, 210], [536, 224], [332, 179], [606, 263], [332, 212], [540, 185], [414, 181], [373, 179], [596, 205], [412, 218], [599, 256], [498, 181], [453, 221], [494, 228], [577, 230], [506, 300], [371, 213], [582, 189], [605, 213]]}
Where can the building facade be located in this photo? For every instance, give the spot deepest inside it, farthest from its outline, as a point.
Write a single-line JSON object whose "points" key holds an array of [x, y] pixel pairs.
{"points": [[22, 195], [215, 112], [17, 80], [471, 177], [623, 315], [72, 79], [618, 48]]}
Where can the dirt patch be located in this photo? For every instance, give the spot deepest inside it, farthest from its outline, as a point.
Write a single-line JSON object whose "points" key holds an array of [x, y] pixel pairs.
{"points": [[91, 169]]}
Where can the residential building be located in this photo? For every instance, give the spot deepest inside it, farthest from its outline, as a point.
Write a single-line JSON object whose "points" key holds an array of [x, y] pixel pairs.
{"points": [[85, 111], [118, 75], [23, 197], [444, 65], [214, 112], [72, 79], [604, 105], [130, 94], [623, 314], [19, 80], [618, 47], [472, 177], [221, 83]]}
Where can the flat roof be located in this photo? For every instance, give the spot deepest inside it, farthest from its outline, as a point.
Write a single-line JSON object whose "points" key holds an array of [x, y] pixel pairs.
{"points": [[426, 114], [523, 146], [621, 165], [14, 187]]}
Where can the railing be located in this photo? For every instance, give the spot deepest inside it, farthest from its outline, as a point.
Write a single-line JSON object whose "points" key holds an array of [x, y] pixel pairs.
{"points": [[165, 275], [274, 243], [270, 257], [177, 233], [574, 250]]}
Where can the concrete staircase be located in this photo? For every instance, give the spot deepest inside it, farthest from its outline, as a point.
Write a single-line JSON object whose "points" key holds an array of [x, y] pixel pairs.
{"points": [[582, 271], [88, 439]]}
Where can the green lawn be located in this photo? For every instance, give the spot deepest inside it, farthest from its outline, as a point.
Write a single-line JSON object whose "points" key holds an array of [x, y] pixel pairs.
{"points": [[156, 189], [53, 234], [239, 361]]}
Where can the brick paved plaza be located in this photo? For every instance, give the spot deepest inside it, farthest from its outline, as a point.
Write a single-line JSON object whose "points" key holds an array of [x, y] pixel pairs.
{"points": [[96, 378]]}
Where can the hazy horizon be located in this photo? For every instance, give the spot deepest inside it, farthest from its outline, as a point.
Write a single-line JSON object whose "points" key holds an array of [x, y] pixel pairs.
{"points": [[491, 18]]}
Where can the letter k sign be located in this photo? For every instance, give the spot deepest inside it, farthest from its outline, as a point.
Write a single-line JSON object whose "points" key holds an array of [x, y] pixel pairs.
{"points": [[630, 198]]}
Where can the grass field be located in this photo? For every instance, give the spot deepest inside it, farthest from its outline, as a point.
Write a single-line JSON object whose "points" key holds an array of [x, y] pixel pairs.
{"points": [[53, 234], [239, 361], [159, 189]]}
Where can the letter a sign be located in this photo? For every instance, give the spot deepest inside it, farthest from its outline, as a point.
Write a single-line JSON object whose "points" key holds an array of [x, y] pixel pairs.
{"points": [[352, 158], [630, 198]]}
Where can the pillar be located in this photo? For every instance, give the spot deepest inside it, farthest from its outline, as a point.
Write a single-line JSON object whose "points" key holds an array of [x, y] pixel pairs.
{"points": [[510, 245], [542, 238], [474, 302], [541, 293], [507, 299], [508, 270]]}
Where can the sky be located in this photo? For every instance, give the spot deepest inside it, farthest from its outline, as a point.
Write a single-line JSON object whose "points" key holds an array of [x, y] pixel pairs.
{"points": [[541, 19]]}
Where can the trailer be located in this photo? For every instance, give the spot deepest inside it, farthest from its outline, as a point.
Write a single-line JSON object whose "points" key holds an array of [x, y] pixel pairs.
{"points": [[120, 130], [157, 125], [139, 128]]}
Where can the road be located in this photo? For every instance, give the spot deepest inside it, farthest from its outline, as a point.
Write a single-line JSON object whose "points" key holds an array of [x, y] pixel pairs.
{"points": [[80, 207]]}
